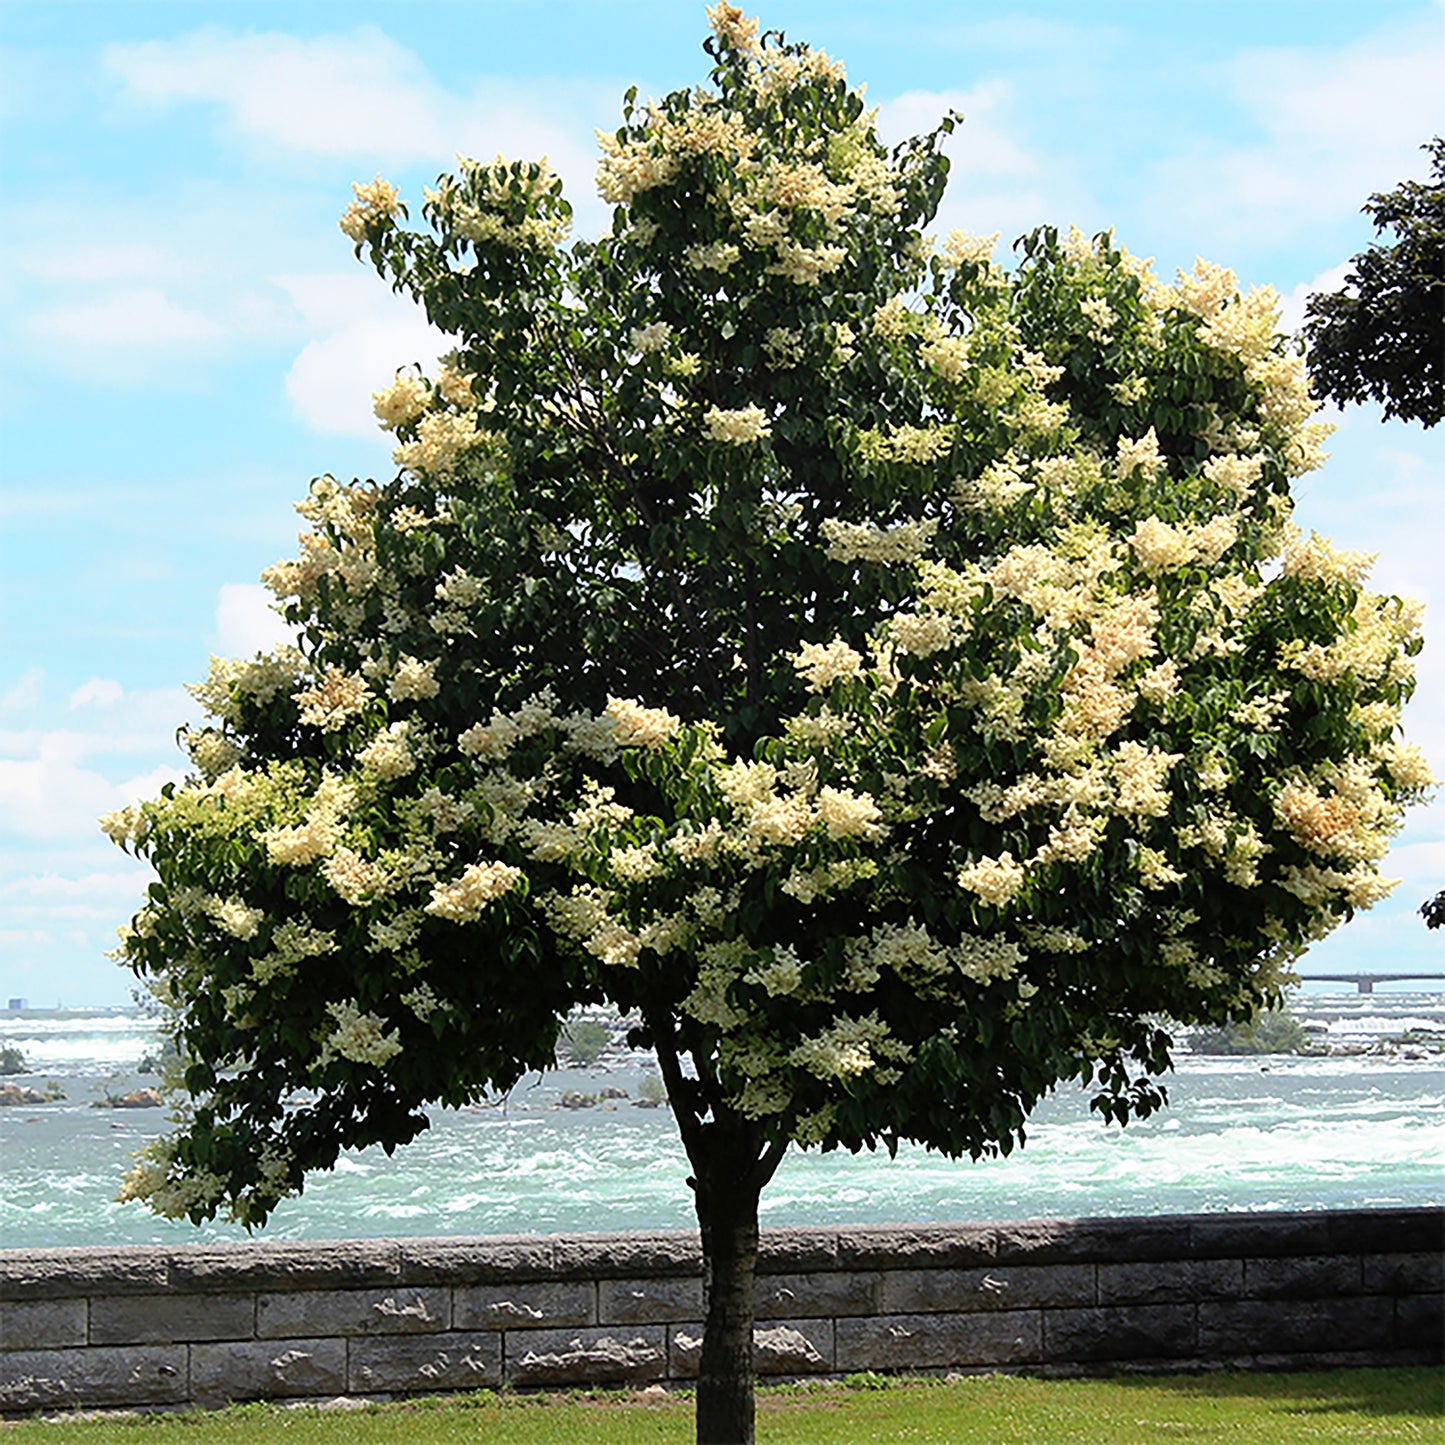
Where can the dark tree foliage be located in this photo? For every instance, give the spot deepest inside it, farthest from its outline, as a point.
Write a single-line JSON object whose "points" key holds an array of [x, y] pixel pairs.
{"points": [[1382, 335], [1434, 911]]}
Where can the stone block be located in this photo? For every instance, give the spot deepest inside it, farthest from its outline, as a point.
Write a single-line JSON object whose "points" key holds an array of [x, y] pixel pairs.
{"points": [[1170, 1281], [167, 1318], [317, 1313], [921, 1342], [76, 1273], [781, 1347], [962, 1291], [42, 1324], [627, 1256], [408, 1364], [1212, 1236], [1091, 1241], [1387, 1231], [1230, 1329], [72, 1379], [1403, 1274], [1302, 1277], [1119, 1332], [498, 1260], [648, 1301], [523, 1305], [624, 1354], [267, 1370], [797, 1249], [292, 1265], [814, 1296], [915, 1246], [1420, 1325]]}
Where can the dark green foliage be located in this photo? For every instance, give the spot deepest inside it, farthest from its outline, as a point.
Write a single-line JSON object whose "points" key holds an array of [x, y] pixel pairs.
{"points": [[1382, 335]]}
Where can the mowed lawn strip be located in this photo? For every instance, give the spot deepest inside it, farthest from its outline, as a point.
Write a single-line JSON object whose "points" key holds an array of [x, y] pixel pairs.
{"points": [[1245, 1409]]}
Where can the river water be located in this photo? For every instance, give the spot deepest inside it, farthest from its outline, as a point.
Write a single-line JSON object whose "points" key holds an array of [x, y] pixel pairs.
{"points": [[1240, 1134]]}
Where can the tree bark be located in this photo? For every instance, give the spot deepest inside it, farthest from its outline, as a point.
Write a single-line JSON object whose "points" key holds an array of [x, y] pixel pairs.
{"points": [[728, 1182]]}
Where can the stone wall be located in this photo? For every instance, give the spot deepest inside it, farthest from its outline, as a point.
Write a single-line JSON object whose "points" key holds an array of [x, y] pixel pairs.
{"points": [[206, 1324]]}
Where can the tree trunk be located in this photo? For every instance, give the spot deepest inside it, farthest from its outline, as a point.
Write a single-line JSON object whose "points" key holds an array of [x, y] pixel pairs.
{"points": [[727, 1189]]}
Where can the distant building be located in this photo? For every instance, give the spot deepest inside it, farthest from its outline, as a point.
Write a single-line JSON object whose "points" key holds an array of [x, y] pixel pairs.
{"points": [[18, 1004]]}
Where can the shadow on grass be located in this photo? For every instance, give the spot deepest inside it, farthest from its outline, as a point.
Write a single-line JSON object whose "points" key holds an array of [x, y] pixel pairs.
{"points": [[1407, 1392]]}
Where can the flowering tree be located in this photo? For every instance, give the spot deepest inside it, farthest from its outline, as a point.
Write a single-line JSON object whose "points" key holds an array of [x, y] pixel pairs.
{"points": [[895, 678]]}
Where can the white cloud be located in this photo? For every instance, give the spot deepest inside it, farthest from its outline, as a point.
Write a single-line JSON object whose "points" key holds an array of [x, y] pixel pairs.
{"points": [[143, 319], [995, 183], [361, 334], [50, 899], [1292, 307], [1332, 127], [175, 275], [23, 695], [245, 621], [97, 692], [363, 97], [359, 95], [99, 263], [52, 795], [138, 725]]}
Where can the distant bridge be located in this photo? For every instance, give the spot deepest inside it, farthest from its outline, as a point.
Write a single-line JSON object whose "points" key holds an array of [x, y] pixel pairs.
{"points": [[1365, 982]]}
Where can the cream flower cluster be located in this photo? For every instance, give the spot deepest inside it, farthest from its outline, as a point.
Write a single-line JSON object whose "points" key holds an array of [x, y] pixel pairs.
{"points": [[913, 445], [1161, 547], [822, 664], [401, 403], [388, 756], [737, 428], [261, 679], [1141, 454], [235, 916], [320, 831], [359, 1036], [442, 438], [640, 727], [851, 1047], [996, 881], [413, 680], [375, 203], [211, 751], [1245, 327], [1318, 560], [655, 336], [337, 697], [1234, 473], [480, 885], [961, 248], [124, 825], [863, 542], [354, 877]]}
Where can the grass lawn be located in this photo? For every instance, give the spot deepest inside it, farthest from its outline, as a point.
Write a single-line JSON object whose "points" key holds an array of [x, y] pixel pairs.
{"points": [[1253, 1409]]}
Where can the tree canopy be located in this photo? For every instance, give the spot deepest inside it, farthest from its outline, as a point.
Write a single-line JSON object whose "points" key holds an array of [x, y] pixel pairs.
{"points": [[894, 676], [1381, 336]]}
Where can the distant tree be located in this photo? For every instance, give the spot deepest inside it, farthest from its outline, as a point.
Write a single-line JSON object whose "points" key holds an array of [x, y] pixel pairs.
{"points": [[12, 1061], [1270, 1031], [892, 677], [1382, 334], [584, 1040]]}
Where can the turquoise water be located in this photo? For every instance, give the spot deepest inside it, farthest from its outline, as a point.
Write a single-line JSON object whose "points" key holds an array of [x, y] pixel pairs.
{"points": [[1241, 1134]]}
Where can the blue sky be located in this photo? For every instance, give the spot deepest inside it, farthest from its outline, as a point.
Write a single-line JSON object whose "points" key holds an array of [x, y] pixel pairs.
{"points": [[186, 340]]}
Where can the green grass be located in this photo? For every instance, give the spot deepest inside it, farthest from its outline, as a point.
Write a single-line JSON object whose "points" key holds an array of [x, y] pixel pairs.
{"points": [[1254, 1409]]}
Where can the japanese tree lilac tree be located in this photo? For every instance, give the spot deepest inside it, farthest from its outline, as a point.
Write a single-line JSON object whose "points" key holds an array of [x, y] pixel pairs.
{"points": [[895, 677]]}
